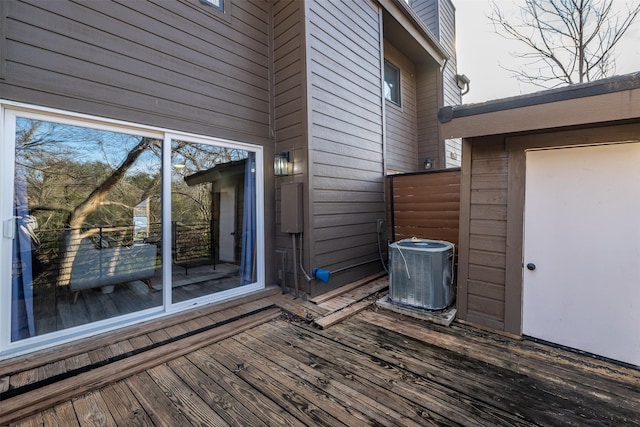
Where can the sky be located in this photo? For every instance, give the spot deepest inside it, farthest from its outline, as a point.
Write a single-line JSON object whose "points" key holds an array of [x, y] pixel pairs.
{"points": [[482, 52]]}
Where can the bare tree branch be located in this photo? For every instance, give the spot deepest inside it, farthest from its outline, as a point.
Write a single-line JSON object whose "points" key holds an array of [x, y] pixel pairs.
{"points": [[89, 204], [564, 41]]}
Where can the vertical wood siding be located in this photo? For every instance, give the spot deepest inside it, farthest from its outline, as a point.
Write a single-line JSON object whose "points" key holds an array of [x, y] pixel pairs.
{"points": [[424, 205], [173, 64], [345, 102], [486, 251], [401, 120]]}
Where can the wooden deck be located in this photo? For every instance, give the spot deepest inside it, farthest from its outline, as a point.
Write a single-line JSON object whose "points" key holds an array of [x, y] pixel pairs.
{"points": [[263, 360]]}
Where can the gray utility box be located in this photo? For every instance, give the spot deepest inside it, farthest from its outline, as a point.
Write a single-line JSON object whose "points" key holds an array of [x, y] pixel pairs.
{"points": [[291, 218], [421, 273]]}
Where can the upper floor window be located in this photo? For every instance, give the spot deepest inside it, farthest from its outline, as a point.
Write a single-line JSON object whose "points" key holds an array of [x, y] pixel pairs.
{"points": [[391, 82], [218, 4]]}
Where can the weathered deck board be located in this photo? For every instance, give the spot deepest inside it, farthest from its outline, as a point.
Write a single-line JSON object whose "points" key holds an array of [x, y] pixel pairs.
{"points": [[547, 365], [92, 410], [57, 392], [125, 408], [372, 401], [291, 378], [350, 300], [298, 307], [327, 296], [213, 395], [181, 396], [374, 368], [22, 363], [464, 378], [159, 407], [298, 402], [60, 415], [341, 314], [386, 384], [529, 391], [355, 295], [235, 387]]}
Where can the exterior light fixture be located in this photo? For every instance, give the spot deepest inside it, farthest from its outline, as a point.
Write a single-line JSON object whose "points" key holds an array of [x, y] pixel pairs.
{"points": [[463, 83], [428, 163], [282, 166]]}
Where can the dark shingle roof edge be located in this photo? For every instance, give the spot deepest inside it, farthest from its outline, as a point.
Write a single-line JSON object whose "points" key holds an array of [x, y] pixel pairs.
{"points": [[599, 87]]}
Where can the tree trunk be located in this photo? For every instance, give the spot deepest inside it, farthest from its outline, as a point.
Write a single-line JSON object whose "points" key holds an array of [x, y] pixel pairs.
{"points": [[71, 240]]}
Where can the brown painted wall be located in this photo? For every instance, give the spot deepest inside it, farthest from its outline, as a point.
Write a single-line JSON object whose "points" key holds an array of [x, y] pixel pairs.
{"points": [[429, 144], [172, 64], [491, 219], [482, 250], [290, 118], [439, 17], [401, 120], [346, 177]]}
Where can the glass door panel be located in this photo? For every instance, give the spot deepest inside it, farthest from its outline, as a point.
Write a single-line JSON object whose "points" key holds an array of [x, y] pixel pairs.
{"points": [[87, 204], [213, 219]]}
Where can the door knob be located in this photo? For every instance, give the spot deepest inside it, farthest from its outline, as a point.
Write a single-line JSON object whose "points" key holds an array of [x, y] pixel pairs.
{"points": [[531, 266]]}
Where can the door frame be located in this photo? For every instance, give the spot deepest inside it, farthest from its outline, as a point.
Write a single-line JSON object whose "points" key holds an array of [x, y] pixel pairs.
{"points": [[515, 147], [9, 110], [561, 297], [233, 216]]}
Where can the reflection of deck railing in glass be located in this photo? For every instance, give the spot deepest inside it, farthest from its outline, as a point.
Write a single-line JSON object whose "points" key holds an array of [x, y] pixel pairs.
{"points": [[192, 244]]}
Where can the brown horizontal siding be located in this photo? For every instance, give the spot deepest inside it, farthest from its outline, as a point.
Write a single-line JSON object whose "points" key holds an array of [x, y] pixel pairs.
{"points": [[425, 205], [147, 62], [492, 308], [428, 102], [338, 232], [486, 254], [289, 117], [401, 130], [488, 243], [427, 11], [345, 146]]}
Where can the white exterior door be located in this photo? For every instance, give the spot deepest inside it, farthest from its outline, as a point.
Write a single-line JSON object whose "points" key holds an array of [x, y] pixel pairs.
{"points": [[582, 234], [227, 224]]}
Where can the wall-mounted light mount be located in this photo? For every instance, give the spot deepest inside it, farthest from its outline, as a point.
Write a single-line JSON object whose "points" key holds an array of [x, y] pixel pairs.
{"points": [[463, 83], [282, 165], [428, 163]]}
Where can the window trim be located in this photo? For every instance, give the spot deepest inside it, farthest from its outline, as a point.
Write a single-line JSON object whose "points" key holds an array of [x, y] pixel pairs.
{"points": [[209, 3], [397, 69], [202, 6], [9, 112]]}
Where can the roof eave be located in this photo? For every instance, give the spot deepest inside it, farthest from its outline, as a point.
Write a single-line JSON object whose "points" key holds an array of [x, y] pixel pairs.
{"points": [[400, 9], [612, 99]]}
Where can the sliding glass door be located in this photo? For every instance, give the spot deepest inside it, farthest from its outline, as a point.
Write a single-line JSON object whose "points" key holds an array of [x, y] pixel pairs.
{"points": [[86, 201], [107, 224], [213, 219]]}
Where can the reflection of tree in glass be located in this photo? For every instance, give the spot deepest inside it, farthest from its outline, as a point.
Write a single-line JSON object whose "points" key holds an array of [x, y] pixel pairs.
{"points": [[192, 205], [83, 180]]}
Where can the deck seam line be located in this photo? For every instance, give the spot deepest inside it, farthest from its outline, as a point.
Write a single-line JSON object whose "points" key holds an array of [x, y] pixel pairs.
{"points": [[17, 391]]}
